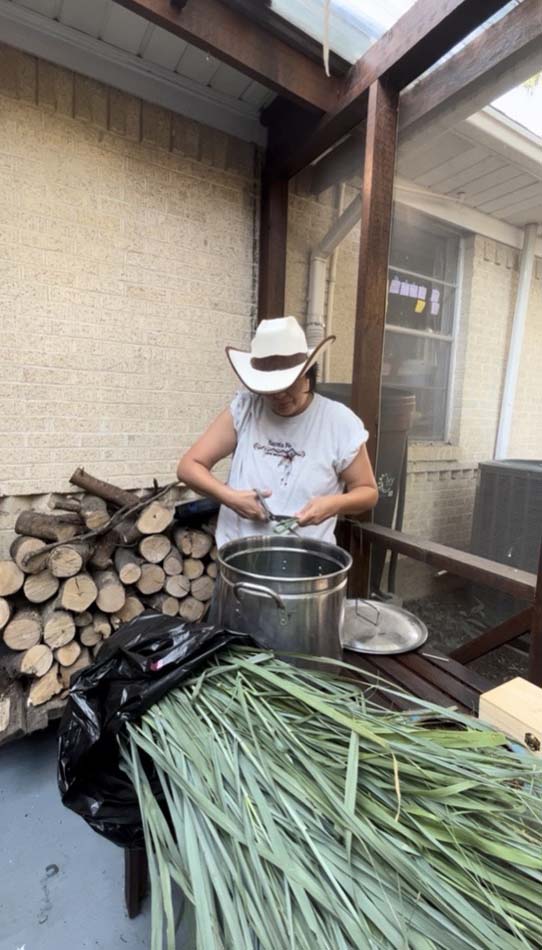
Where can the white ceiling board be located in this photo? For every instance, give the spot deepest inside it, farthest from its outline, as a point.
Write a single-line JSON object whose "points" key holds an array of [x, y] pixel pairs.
{"points": [[515, 198], [514, 181], [495, 179], [521, 218], [445, 171], [88, 17], [48, 8], [230, 81], [197, 65], [163, 48], [437, 152], [123, 29], [258, 95], [475, 172]]}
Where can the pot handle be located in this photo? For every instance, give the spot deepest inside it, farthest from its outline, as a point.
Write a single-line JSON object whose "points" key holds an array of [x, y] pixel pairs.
{"points": [[258, 589]]}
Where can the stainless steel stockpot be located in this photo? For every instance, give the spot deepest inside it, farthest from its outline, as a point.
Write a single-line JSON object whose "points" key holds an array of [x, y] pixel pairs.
{"points": [[287, 593]]}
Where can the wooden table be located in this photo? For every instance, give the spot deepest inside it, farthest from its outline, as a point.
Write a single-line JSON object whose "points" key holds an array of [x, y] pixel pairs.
{"points": [[425, 673]]}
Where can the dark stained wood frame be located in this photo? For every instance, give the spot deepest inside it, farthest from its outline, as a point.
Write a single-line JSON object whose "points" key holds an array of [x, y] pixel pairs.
{"points": [[479, 570], [273, 237], [241, 42]]}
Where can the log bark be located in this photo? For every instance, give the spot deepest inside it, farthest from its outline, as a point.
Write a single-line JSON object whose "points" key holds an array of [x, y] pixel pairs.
{"points": [[24, 630], [23, 546], [191, 609], [154, 519], [128, 565], [11, 578], [69, 559], [78, 593], [94, 512], [193, 568], [151, 580], [89, 637], [82, 661], [102, 625], [132, 608], [201, 544], [154, 548], [66, 656], [111, 592], [111, 493], [37, 661], [5, 612], [165, 604], [40, 587], [202, 588], [177, 585], [173, 563], [106, 546], [48, 527], [45, 688], [65, 503], [212, 569], [58, 629], [183, 540]]}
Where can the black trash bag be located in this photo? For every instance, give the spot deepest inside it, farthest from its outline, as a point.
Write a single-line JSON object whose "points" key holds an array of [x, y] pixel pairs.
{"points": [[141, 662]]}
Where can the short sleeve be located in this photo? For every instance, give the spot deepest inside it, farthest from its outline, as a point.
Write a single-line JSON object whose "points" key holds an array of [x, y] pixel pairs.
{"points": [[240, 407], [351, 435]]}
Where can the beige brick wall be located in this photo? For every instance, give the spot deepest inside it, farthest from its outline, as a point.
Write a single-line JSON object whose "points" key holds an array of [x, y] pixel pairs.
{"points": [[127, 243], [127, 260]]}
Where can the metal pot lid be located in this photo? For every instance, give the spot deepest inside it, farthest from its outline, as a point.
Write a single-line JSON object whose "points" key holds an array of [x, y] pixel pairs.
{"points": [[380, 628]]}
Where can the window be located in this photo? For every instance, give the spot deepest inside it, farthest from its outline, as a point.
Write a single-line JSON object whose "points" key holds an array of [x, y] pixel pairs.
{"points": [[420, 320]]}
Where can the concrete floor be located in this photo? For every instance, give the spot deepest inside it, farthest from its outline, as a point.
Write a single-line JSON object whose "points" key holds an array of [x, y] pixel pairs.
{"points": [[61, 886]]}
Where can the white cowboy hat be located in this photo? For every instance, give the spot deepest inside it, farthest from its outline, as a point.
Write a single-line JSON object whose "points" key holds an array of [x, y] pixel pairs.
{"points": [[278, 356]]}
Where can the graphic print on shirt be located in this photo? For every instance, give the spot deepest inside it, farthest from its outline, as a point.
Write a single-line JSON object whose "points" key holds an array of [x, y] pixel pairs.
{"points": [[284, 452]]}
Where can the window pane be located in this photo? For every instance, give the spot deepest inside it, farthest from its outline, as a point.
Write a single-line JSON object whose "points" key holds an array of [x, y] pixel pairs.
{"points": [[420, 245], [420, 303], [420, 365]]}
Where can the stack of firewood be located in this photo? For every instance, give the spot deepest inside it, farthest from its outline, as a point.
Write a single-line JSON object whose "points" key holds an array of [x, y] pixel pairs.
{"points": [[97, 560]]}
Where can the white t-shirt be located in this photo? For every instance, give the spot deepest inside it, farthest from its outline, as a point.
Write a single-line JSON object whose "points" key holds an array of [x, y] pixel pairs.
{"points": [[296, 457]]}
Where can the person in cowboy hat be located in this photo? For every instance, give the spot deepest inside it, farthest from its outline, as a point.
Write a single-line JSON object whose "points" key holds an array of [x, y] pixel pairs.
{"points": [[304, 452]]}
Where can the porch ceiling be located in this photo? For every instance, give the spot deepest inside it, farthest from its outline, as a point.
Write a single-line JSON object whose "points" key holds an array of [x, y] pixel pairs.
{"points": [[488, 163], [106, 29]]}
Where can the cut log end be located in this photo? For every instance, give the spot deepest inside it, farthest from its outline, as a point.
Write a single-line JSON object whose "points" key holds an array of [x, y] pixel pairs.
{"points": [[45, 688], [154, 548], [78, 593], [151, 580], [154, 519], [11, 578], [192, 609], [40, 587], [24, 631], [66, 656], [59, 629], [37, 661]]}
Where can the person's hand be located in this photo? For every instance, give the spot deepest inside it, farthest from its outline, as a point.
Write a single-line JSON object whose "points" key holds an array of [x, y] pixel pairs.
{"points": [[246, 504], [317, 510]]}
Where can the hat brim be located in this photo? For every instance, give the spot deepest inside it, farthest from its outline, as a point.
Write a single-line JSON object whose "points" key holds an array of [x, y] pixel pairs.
{"points": [[272, 381]]}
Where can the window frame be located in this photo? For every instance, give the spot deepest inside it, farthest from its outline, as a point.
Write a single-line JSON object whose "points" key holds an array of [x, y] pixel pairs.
{"points": [[449, 338]]}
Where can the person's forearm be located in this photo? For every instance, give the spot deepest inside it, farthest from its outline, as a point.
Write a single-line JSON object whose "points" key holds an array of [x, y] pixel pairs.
{"points": [[356, 501], [200, 479]]}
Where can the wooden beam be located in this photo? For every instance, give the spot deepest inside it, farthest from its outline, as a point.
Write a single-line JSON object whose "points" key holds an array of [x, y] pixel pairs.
{"points": [[273, 239], [499, 636], [502, 57], [234, 39], [481, 570], [377, 199], [417, 40], [262, 13]]}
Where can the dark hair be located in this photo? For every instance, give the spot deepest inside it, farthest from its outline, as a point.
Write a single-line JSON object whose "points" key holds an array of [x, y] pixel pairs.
{"points": [[312, 376]]}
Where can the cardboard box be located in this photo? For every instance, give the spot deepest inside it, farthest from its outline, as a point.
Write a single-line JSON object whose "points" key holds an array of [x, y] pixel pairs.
{"points": [[515, 708]]}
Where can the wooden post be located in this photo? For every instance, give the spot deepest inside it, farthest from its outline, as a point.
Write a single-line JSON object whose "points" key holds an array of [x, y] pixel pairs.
{"points": [[535, 648], [376, 215], [273, 239]]}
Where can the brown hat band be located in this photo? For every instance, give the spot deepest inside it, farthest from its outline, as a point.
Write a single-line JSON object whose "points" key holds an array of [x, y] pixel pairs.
{"points": [[269, 364]]}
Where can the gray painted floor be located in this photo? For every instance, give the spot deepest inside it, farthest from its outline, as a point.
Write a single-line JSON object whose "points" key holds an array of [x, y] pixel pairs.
{"points": [[78, 907]]}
